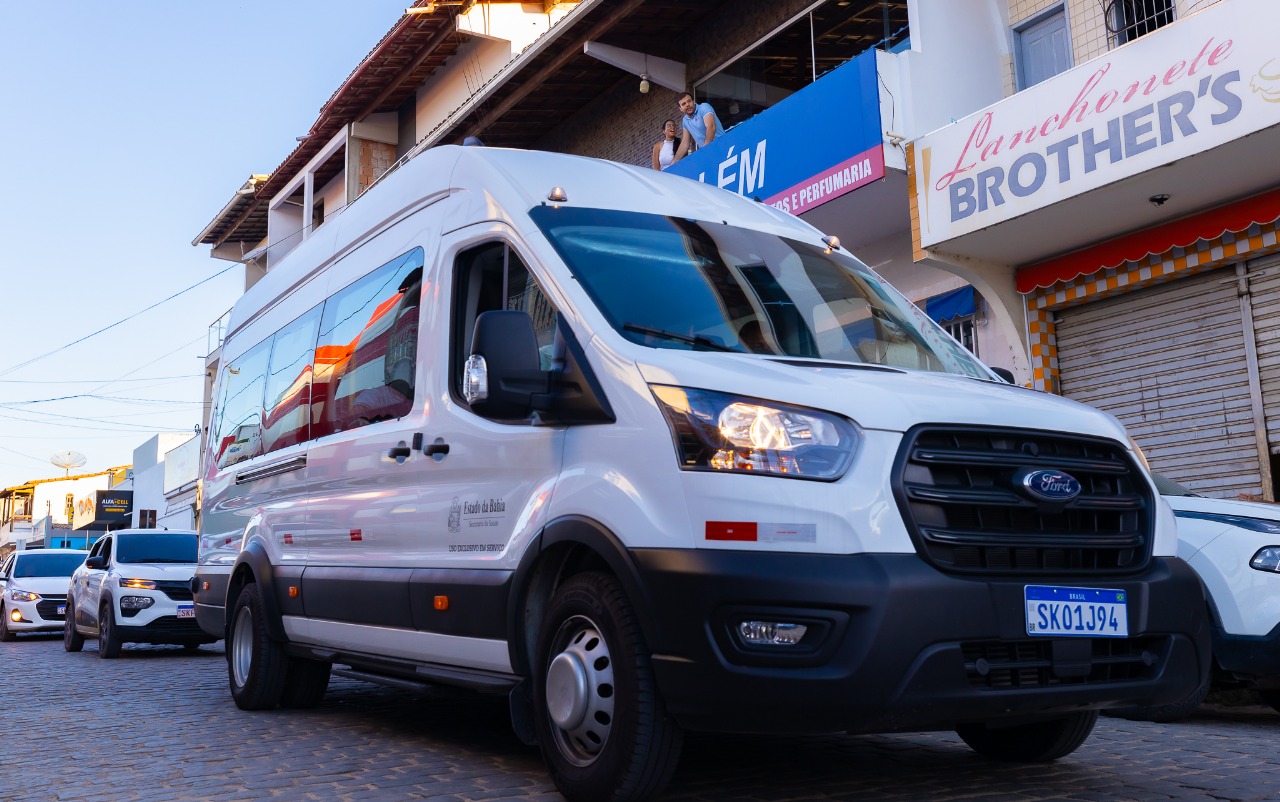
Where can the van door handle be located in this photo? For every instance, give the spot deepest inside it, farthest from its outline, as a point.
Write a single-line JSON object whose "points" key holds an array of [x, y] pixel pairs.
{"points": [[437, 450], [400, 452]]}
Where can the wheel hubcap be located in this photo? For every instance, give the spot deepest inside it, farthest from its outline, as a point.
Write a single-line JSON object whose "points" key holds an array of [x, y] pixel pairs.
{"points": [[580, 691], [242, 647]]}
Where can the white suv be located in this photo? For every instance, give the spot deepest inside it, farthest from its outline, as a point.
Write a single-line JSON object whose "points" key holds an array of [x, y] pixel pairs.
{"points": [[1234, 547], [135, 587], [33, 590]]}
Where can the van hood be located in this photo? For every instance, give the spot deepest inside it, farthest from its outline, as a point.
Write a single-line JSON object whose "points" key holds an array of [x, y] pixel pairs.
{"points": [[1224, 506], [879, 398]]}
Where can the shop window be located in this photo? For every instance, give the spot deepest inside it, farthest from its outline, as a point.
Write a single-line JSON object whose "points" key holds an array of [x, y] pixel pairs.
{"points": [[1129, 19], [962, 329], [1042, 48], [146, 519], [800, 53]]}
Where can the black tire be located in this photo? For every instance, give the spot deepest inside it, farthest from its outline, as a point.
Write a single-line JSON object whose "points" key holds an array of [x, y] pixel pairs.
{"points": [[1039, 742], [109, 642], [613, 740], [72, 640], [6, 635], [1164, 713], [305, 683], [256, 664]]}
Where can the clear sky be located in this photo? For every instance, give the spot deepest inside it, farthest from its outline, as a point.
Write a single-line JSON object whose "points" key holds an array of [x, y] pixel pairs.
{"points": [[126, 126]]}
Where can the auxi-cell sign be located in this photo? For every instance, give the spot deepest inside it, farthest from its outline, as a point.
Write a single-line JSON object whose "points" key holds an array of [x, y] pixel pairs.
{"points": [[1201, 82], [105, 509], [814, 146]]}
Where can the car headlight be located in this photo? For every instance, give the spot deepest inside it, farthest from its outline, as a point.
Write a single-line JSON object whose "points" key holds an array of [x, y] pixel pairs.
{"points": [[136, 602], [735, 434], [23, 595], [138, 584], [1137, 452]]}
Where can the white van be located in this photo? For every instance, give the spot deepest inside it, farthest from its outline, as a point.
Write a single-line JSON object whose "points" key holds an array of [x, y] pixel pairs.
{"points": [[647, 456]]}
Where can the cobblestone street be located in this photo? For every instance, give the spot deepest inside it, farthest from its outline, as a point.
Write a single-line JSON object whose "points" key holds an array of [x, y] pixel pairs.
{"points": [[157, 724]]}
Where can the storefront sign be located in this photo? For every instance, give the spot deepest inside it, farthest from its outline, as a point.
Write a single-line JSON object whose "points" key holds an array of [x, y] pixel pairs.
{"points": [[105, 509], [816, 145], [1201, 82]]}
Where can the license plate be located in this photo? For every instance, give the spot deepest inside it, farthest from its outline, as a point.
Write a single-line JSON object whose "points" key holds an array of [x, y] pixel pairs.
{"points": [[188, 611], [62, 609], [1076, 612]]}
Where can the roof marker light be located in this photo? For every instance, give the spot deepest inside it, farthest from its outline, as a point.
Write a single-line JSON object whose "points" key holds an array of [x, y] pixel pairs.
{"points": [[556, 195]]}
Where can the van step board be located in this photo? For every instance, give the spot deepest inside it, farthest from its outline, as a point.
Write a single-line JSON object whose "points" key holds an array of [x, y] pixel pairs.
{"points": [[484, 682]]}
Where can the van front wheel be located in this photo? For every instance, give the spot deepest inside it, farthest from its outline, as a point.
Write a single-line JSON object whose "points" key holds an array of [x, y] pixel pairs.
{"points": [[256, 664], [601, 725], [1039, 742]]}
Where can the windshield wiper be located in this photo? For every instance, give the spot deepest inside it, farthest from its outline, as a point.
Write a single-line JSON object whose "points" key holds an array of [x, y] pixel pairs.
{"points": [[683, 338]]}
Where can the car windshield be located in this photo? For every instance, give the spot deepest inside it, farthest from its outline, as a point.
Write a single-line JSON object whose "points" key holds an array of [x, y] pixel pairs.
{"points": [[168, 547], [47, 564], [669, 282]]}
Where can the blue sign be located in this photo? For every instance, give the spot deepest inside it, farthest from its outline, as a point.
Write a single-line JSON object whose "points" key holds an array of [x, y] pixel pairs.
{"points": [[814, 146]]}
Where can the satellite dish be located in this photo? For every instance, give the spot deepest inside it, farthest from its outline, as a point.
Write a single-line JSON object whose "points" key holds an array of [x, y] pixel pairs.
{"points": [[67, 460]]}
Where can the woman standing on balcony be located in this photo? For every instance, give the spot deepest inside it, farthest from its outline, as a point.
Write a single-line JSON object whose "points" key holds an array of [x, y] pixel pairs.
{"points": [[664, 151]]}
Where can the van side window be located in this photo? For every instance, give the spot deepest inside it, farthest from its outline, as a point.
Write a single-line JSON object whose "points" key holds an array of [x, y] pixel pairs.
{"points": [[488, 277], [288, 407], [367, 352], [239, 430]]}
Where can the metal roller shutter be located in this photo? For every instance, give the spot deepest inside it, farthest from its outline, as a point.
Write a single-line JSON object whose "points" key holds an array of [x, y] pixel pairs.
{"points": [[1264, 290], [1169, 362]]}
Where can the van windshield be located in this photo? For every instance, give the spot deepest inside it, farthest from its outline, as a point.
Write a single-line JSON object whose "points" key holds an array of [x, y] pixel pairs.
{"points": [[669, 282]]}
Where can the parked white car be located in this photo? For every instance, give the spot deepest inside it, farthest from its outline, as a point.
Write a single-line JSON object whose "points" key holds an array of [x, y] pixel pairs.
{"points": [[134, 587], [1234, 546], [33, 590]]}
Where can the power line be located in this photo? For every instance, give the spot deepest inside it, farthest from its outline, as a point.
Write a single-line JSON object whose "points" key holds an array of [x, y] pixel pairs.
{"points": [[97, 381], [35, 359]]}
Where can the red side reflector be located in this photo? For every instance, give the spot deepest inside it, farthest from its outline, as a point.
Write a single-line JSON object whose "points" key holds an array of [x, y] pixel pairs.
{"points": [[355, 534], [731, 530], [288, 540]]}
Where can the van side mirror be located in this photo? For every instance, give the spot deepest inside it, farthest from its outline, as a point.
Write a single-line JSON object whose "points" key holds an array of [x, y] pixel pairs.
{"points": [[1004, 373], [503, 373], [97, 563]]}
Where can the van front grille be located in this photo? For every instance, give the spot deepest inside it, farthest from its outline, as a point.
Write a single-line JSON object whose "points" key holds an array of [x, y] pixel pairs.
{"points": [[960, 494]]}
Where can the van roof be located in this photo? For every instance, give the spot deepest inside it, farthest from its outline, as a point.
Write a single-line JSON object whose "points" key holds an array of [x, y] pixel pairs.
{"points": [[502, 185]]}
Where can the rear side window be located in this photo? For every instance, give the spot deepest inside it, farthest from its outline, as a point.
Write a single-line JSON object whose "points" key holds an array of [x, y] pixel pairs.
{"points": [[366, 355], [239, 429], [288, 389]]}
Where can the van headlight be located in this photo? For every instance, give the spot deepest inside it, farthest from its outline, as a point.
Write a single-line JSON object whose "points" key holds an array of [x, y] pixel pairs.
{"points": [[731, 433]]}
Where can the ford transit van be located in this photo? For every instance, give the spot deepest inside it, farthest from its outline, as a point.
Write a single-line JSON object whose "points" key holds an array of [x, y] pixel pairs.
{"points": [[648, 457]]}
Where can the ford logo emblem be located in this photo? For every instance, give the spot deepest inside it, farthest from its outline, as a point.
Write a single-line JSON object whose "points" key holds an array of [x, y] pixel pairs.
{"points": [[1051, 485]]}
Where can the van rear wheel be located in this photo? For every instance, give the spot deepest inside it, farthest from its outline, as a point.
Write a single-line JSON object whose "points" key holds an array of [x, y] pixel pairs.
{"points": [[601, 725], [1039, 742], [255, 663]]}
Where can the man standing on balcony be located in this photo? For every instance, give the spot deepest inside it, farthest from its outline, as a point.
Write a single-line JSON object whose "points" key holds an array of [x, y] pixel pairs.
{"points": [[701, 125]]}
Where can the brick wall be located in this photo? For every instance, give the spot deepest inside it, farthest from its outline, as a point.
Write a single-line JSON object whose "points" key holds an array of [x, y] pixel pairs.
{"points": [[375, 159], [623, 125]]}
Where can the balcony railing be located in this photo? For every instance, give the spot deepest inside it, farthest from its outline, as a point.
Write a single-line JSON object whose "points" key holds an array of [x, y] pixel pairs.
{"points": [[217, 332]]}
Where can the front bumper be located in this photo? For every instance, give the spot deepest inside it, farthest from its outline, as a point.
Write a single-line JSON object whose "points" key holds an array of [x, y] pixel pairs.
{"points": [[906, 647], [37, 616], [1249, 657]]}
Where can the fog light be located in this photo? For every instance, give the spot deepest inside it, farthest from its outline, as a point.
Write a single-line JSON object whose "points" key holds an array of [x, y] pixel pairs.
{"points": [[771, 633], [136, 602], [16, 615]]}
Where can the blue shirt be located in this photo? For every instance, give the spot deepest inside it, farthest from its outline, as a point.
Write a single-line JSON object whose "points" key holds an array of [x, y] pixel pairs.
{"points": [[696, 125]]}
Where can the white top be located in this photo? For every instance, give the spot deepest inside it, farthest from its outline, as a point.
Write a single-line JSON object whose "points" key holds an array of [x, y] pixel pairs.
{"points": [[668, 153]]}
